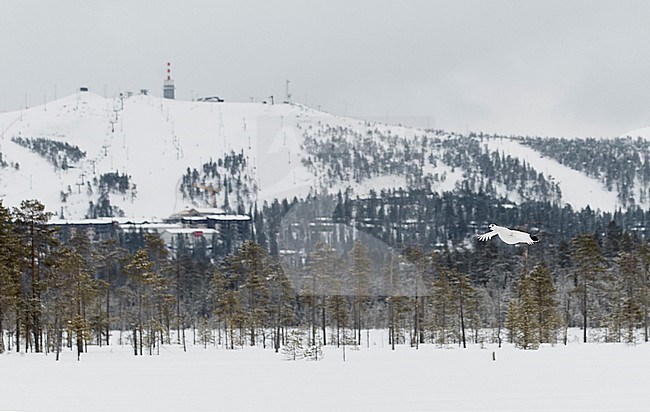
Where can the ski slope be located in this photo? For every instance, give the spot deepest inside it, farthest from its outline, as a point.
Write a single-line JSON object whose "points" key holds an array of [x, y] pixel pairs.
{"points": [[578, 190], [154, 141]]}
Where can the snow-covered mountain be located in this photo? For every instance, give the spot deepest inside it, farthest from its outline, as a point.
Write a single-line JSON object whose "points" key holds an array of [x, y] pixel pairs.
{"points": [[143, 156]]}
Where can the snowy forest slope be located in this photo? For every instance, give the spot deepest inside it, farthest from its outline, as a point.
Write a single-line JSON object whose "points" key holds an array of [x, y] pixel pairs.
{"points": [[142, 156]]}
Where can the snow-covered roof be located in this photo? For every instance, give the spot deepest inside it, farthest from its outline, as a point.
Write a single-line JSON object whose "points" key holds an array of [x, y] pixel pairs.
{"points": [[190, 231], [229, 217], [150, 226], [203, 211], [79, 222]]}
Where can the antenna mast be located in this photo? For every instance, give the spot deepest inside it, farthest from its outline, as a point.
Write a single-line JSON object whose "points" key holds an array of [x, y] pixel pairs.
{"points": [[288, 98]]}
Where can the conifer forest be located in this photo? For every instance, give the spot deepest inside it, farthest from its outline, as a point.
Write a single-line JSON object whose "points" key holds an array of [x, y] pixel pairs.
{"points": [[325, 270]]}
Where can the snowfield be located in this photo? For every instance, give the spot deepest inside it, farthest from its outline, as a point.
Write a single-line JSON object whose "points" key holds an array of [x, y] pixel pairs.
{"points": [[576, 377]]}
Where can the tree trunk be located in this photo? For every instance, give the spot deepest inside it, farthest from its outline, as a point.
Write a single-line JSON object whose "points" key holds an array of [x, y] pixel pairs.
{"points": [[2, 337], [584, 313], [17, 329], [323, 326], [416, 324], [391, 334], [135, 340], [358, 320], [313, 322], [2, 341], [108, 314], [462, 320], [80, 344], [645, 322], [59, 336]]}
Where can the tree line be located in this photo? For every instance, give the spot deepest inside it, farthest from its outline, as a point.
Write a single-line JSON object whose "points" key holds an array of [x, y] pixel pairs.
{"points": [[61, 292]]}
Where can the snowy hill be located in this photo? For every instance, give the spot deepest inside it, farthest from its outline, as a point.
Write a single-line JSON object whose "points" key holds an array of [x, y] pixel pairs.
{"points": [[644, 132], [142, 156], [149, 140]]}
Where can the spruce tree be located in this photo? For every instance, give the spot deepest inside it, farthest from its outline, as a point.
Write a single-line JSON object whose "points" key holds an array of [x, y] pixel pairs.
{"points": [[522, 320], [532, 316], [294, 349]]}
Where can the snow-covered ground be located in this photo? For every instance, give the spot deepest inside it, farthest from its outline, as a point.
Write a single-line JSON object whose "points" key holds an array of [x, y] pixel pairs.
{"points": [[576, 377]]}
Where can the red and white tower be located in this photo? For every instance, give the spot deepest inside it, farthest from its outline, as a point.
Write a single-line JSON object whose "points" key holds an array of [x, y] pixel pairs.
{"points": [[168, 85]]}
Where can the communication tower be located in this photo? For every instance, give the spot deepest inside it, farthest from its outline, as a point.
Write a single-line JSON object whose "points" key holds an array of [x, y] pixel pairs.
{"points": [[168, 85]]}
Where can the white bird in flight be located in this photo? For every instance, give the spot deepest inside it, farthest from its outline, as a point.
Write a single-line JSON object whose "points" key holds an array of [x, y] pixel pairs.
{"points": [[508, 236]]}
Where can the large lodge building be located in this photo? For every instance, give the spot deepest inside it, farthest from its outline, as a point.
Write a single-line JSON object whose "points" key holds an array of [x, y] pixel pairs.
{"points": [[211, 225]]}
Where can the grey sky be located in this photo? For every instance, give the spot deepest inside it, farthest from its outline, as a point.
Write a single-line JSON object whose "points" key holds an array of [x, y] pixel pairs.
{"points": [[527, 67]]}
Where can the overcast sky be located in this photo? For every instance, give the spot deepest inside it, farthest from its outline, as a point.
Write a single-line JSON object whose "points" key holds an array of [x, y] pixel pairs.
{"points": [[563, 68]]}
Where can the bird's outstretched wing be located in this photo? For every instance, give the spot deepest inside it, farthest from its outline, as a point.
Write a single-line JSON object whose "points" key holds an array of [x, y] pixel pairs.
{"points": [[487, 236]]}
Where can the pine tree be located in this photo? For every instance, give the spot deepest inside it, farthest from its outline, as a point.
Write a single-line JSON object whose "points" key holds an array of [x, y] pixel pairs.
{"points": [[282, 295], [323, 267], [71, 291], [162, 299], [644, 263], [111, 256], [466, 302], [11, 253], [546, 305], [396, 299], [444, 309], [626, 298], [416, 257], [227, 306], [360, 267], [497, 287], [38, 238], [252, 266], [149, 297], [337, 306], [589, 266]]}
